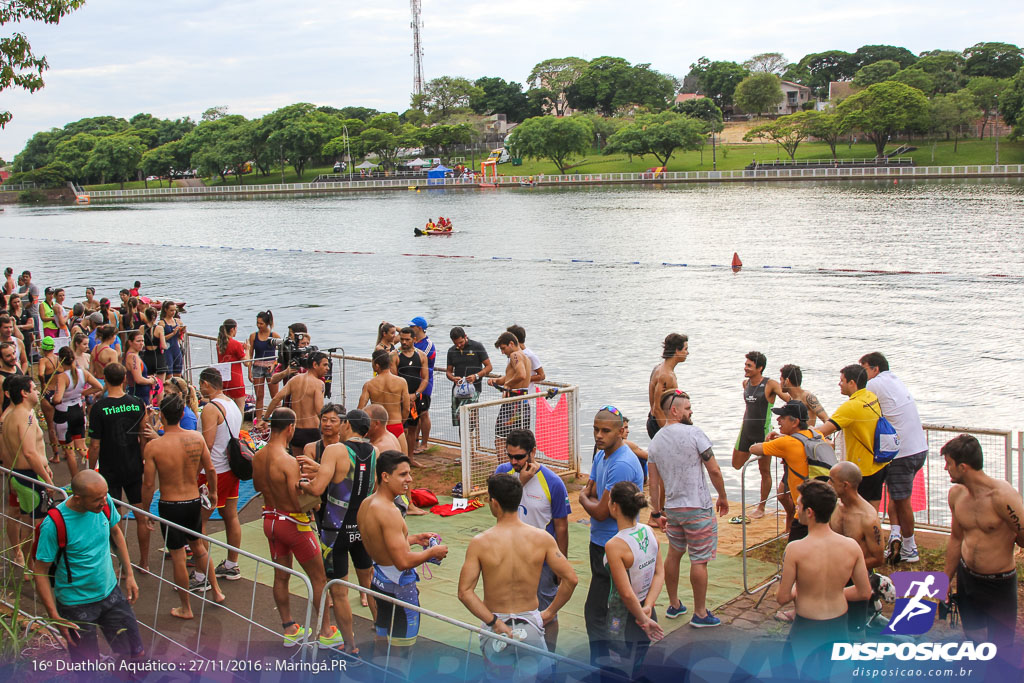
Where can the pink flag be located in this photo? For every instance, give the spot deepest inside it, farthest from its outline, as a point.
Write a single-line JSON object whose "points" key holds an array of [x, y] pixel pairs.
{"points": [[553, 427], [918, 496]]}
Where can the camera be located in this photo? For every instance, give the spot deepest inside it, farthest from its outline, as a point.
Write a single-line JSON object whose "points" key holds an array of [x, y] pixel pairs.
{"points": [[291, 355]]}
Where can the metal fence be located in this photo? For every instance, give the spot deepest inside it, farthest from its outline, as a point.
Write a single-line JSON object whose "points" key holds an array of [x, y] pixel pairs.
{"points": [[237, 632], [553, 417], [854, 173]]}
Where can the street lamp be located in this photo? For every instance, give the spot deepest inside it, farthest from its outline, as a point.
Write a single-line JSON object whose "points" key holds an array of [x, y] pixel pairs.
{"points": [[348, 150], [995, 126]]}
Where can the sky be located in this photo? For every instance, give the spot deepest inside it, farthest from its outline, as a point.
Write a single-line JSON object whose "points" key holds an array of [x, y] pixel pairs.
{"points": [[175, 58]]}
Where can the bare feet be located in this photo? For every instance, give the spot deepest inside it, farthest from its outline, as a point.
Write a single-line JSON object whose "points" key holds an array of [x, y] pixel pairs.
{"points": [[180, 613], [414, 511], [219, 598], [363, 602], [414, 462], [758, 513]]}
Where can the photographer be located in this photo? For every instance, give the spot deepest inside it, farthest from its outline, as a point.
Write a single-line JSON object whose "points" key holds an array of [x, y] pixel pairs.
{"points": [[305, 395], [298, 338]]}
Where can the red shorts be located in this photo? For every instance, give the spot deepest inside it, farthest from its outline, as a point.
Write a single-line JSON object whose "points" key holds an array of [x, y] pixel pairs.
{"points": [[397, 429], [288, 536], [227, 487]]}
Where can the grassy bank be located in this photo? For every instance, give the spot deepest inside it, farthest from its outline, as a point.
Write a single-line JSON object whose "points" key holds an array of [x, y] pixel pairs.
{"points": [[729, 157]]}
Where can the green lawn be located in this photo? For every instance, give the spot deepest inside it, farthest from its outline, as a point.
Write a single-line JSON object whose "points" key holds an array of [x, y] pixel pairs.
{"points": [[730, 157]]}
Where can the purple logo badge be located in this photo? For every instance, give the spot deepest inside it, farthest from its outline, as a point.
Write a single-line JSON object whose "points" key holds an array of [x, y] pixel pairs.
{"points": [[918, 595]]}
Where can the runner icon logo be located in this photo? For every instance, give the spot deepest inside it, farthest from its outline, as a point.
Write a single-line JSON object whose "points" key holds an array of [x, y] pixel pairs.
{"points": [[918, 595]]}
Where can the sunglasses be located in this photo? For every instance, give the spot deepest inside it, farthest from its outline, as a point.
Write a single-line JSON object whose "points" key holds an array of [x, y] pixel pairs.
{"points": [[517, 456], [614, 411], [676, 393]]}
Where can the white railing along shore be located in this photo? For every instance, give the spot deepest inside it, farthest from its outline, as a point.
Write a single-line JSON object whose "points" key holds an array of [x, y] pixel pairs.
{"points": [[835, 173]]}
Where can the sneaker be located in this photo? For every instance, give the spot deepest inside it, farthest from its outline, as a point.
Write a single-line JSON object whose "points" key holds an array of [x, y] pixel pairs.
{"points": [[333, 640], [222, 572], [705, 621], [457, 490], [195, 585], [893, 550], [909, 555], [674, 612], [297, 638]]}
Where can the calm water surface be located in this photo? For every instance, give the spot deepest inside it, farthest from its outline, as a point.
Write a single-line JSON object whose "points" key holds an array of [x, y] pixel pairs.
{"points": [[588, 280]]}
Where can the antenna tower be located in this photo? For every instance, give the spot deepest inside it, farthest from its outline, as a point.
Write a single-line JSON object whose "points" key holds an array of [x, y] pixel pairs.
{"points": [[417, 48]]}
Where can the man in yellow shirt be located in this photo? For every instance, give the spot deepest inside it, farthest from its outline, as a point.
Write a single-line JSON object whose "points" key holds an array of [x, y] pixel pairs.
{"points": [[857, 418]]}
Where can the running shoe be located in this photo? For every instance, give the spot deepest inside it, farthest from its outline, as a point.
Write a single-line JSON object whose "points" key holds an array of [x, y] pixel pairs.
{"points": [[674, 612], [195, 585], [909, 555], [457, 490], [704, 622], [222, 572], [297, 638], [333, 640], [893, 550]]}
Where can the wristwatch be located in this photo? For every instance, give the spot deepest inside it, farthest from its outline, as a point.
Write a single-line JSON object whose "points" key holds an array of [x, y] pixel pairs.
{"points": [[492, 622], [655, 515]]}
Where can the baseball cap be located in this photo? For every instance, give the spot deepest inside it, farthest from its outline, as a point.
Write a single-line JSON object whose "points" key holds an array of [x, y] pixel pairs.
{"points": [[795, 409], [46, 344], [418, 321]]}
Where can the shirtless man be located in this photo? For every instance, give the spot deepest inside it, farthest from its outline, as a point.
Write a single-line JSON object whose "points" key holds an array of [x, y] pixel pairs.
{"points": [[855, 518], [8, 367], [305, 393], [816, 572], [383, 440], [511, 555], [412, 365], [7, 335], [790, 378], [759, 394], [177, 457], [387, 540], [275, 474], [24, 453], [390, 392], [675, 349], [515, 382], [987, 520]]}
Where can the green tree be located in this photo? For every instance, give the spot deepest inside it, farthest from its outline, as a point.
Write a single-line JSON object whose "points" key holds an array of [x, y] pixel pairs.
{"points": [[1011, 104], [364, 114], [718, 80], [611, 83], [660, 135], [915, 78], [210, 145], [998, 60], [498, 96], [827, 126], [958, 112], [553, 77], [52, 175], [19, 66], [352, 145], [299, 133], [445, 95], [214, 113], [553, 138], [74, 152], [38, 151], [758, 93], [883, 110], [946, 67], [821, 68], [875, 73], [603, 127], [160, 161], [786, 131], [414, 116], [704, 109], [870, 54], [767, 62], [115, 157], [986, 91], [385, 135]]}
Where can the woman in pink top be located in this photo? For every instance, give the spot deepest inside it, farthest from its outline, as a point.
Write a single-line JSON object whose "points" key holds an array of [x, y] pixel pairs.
{"points": [[230, 350]]}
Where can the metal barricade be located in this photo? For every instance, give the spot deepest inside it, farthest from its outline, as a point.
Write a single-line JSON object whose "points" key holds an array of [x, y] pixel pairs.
{"points": [[203, 654], [484, 424], [527, 656], [764, 585]]}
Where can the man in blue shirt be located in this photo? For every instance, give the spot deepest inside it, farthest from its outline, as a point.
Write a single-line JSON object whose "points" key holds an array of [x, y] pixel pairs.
{"points": [[423, 343], [87, 594], [613, 462], [545, 505]]}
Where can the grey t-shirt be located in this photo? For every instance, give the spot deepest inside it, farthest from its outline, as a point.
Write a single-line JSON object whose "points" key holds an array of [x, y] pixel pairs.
{"points": [[675, 451], [30, 293]]}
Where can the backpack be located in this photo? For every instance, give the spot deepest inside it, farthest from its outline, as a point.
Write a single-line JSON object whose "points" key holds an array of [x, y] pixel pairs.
{"points": [[239, 452], [62, 541], [820, 456], [887, 442]]}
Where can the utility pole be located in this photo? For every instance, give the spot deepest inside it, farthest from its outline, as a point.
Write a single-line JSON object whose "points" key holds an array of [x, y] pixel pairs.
{"points": [[417, 48]]}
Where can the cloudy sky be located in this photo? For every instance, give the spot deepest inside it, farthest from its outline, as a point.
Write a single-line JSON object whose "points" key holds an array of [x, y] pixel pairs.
{"points": [[175, 58]]}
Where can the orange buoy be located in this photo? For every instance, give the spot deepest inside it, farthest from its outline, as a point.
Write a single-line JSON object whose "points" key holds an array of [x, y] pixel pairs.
{"points": [[736, 263]]}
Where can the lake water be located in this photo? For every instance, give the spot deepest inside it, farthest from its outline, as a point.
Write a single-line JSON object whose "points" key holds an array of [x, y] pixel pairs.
{"points": [[584, 271]]}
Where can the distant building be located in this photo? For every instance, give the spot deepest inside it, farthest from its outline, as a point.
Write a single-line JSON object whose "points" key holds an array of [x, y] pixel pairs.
{"points": [[684, 96], [794, 96]]}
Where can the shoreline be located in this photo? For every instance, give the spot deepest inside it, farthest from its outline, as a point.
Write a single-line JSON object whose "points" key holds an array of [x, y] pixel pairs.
{"points": [[987, 171]]}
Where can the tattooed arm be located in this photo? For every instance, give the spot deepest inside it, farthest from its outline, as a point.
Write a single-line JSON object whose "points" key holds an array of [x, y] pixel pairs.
{"points": [[1011, 511], [815, 407], [873, 555]]}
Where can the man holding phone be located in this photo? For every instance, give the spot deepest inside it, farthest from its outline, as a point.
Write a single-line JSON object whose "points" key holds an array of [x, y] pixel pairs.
{"points": [[545, 505]]}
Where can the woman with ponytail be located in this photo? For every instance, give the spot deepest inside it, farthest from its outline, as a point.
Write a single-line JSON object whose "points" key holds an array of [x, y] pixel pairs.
{"points": [[177, 385], [230, 350], [73, 385], [637, 575], [387, 337], [263, 357]]}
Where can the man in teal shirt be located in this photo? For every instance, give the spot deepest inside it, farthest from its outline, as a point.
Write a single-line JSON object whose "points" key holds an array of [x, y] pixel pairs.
{"points": [[87, 594]]}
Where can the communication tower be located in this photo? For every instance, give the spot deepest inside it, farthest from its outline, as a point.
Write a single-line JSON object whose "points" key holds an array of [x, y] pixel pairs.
{"points": [[417, 47]]}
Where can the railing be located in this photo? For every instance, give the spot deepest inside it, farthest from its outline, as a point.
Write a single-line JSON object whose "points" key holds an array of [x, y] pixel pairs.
{"points": [[829, 173], [883, 161], [169, 642]]}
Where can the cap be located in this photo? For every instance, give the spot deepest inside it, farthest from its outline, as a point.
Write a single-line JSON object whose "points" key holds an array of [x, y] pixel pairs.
{"points": [[96, 318], [418, 321], [46, 344], [795, 409]]}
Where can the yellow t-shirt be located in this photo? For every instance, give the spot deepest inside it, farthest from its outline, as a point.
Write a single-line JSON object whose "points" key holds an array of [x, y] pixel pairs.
{"points": [[857, 418], [793, 454]]}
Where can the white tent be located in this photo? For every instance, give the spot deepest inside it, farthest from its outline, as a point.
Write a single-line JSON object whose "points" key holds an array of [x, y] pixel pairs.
{"points": [[367, 164], [417, 162]]}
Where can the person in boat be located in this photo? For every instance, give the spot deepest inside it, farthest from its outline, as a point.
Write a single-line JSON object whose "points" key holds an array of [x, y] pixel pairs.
{"points": [[430, 225]]}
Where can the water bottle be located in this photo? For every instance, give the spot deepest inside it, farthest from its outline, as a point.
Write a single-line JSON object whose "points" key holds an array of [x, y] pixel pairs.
{"points": [[434, 540]]}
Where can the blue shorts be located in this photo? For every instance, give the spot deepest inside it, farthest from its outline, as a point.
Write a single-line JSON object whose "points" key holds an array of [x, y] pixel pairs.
{"points": [[395, 622], [174, 360]]}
